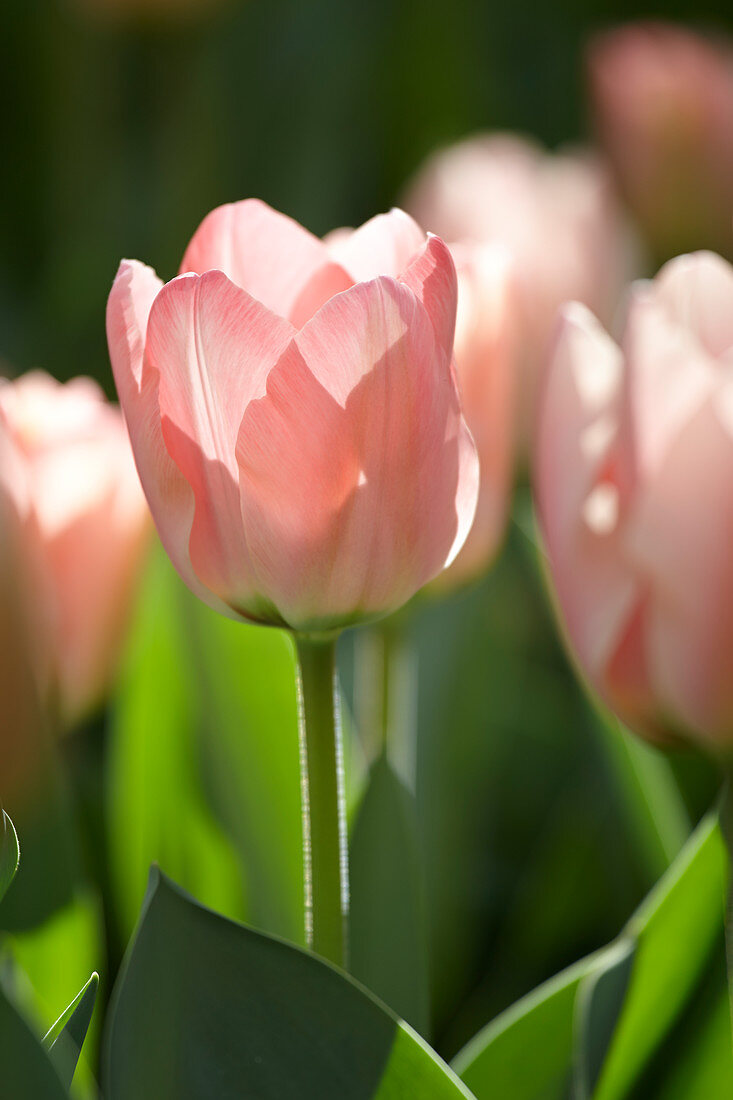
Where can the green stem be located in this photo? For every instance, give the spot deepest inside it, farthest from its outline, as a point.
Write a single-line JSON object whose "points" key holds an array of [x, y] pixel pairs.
{"points": [[325, 852], [726, 826]]}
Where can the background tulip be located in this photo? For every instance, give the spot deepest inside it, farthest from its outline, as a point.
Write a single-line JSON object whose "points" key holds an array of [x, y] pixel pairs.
{"points": [[294, 415], [557, 216], [70, 481], [634, 467], [487, 331], [663, 106]]}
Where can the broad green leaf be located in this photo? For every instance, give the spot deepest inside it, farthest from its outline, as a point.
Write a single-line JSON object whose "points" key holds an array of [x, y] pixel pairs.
{"points": [[703, 1062], [598, 1007], [9, 853], [156, 806], [675, 927], [388, 932], [66, 1038], [26, 1071], [542, 1022], [206, 1007], [248, 740]]}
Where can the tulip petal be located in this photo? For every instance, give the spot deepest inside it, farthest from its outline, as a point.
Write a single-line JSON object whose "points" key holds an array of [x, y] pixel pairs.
{"points": [[168, 493], [576, 431], [432, 278], [357, 473], [697, 292], [384, 245], [668, 376], [212, 345], [679, 537], [269, 255]]}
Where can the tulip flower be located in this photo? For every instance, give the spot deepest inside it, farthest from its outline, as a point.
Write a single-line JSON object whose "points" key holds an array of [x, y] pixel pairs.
{"points": [[556, 215], [82, 524], [663, 106], [634, 468], [295, 420]]}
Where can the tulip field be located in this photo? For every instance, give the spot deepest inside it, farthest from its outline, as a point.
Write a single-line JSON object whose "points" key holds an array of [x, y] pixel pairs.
{"points": [[366, 552]]}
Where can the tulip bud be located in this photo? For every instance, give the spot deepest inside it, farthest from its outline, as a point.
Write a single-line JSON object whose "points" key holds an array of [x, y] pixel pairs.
{"points": [[663, 105], [634, 467], [83, 523], [555, 214], [294, 415]]}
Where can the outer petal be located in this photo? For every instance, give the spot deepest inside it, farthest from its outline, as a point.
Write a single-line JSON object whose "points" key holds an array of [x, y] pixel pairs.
{"points": [[212, 345], [577, 498], [679, 537], [697, 293], [269, 255], [384, 245], [351, 518], [168, 493], [432, 277], [668, 377]]}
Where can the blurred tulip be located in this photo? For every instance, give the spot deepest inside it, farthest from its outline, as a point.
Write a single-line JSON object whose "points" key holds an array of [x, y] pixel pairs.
{"points": [[556, 215], [663, 103], [69, 480], [294, 415], [485, 350], [634, 472]]}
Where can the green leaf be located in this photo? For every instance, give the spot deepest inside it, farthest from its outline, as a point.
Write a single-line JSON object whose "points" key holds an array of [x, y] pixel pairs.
{"points": [[542, 1022], [9, 853], [206, 1007], [676, 927], [387, 920], [26, 1072], [66, 1038], [598, 1007], [156, 805]]}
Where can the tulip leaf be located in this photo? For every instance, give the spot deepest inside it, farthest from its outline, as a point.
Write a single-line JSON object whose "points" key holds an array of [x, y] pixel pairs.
{"points": [[207, 1007], [66, 1038], [674, 930], [9, 853], [599, 1004], [387, 920], [26, 1071], [677, 927]]}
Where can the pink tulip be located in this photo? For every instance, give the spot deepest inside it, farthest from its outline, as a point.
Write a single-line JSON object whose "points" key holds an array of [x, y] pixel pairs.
{"points": [[69, 480], [294, 415], [634, 468], [555, 214], [486, 351], [663, 99]]}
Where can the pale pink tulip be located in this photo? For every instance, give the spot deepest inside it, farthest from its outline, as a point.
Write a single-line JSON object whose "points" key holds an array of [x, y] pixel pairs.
{"points": [[294, 414], [69, 478], [486, 351], [555, 214], [634, 469], [663, 104]]}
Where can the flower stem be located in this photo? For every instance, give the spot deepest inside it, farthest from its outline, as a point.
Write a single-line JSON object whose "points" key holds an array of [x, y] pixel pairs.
{"points": [[325, 852]]}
